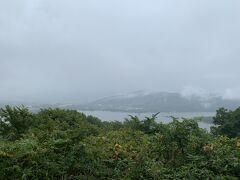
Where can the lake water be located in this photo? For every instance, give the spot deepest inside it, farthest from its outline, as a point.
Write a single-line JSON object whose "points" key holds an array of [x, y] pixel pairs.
{"points": [[164, 117]]}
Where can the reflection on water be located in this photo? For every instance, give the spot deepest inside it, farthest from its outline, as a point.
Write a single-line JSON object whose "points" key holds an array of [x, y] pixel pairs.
{"points": [[164, 117]]}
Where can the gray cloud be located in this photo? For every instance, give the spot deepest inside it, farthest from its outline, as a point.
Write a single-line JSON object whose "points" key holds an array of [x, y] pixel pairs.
{"points": [[58, 51]]}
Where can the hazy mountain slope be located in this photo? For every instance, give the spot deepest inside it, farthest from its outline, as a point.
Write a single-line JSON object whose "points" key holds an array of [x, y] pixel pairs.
{"points": [[140, 101]]}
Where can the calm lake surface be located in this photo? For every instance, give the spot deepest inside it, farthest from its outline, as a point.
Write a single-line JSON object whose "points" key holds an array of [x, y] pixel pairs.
{"points": [[164, 117]]}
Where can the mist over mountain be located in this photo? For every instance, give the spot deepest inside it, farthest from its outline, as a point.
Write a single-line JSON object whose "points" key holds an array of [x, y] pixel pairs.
{"points": [[143, 101]]}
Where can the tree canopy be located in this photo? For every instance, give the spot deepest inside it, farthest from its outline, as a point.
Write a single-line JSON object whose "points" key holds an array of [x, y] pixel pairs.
{"points": [[227, 123], [66, 144]]}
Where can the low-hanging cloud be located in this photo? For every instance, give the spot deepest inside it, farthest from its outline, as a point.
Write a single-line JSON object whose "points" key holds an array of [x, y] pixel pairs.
{"points": [[58, 51]]}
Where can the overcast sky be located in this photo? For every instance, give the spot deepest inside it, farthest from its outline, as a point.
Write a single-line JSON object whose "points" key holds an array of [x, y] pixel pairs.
{"points": [[77, 51]]}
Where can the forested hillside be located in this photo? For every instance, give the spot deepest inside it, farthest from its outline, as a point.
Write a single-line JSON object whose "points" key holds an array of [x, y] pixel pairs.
{"points": [[66, 144], [141, 101]]}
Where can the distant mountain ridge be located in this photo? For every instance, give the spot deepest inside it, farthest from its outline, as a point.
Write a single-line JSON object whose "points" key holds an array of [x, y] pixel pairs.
{"points": [[141, 101]]}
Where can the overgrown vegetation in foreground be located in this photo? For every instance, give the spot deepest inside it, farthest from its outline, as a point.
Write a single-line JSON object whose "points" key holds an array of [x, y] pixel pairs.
{"points": [[65, 144]]}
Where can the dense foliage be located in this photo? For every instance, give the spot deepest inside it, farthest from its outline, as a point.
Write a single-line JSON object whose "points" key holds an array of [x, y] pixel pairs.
{"points": [[66, 144], [227, 122]]}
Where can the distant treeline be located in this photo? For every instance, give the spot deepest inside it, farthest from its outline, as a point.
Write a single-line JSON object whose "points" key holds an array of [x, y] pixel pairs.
{"points": [[66, 144]]}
